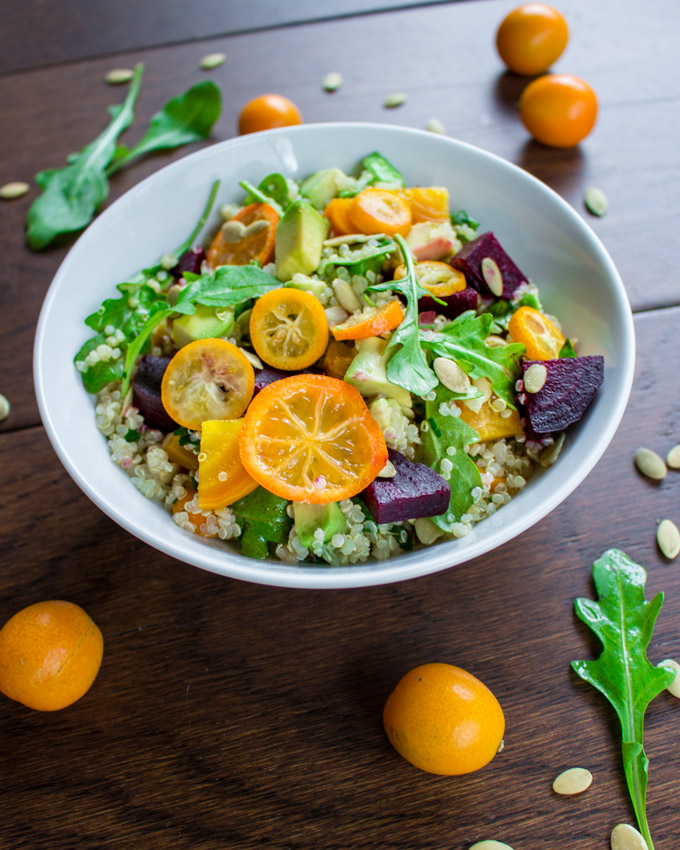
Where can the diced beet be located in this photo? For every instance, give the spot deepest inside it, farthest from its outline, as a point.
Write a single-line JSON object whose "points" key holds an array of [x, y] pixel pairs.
{"points": [[427, 317], [456, 303], [266, 376], [146, 393], [415, 491], [469, 261], [570, 385], [190, 261]]}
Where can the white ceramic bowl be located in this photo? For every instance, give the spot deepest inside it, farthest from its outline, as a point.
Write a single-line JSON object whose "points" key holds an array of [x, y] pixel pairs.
{"points": [[547, 239]]}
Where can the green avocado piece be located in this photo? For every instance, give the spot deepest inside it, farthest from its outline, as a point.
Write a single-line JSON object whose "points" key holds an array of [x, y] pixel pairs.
{"points": [[323, 186], [307, 518], [299, 240], [204, 324], [368, 373]]}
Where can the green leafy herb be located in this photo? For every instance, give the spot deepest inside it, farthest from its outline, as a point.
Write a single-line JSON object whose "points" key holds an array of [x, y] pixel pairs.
{"points": [[446, 438], [133, 436], [184, 119], [139, 302], [530, 299], [375, 170], [623, 620], [460, 217], [357, 261], [463, 340], [188, 439], [567, 349], [256, 194], [408, 366], [71, 195], [263, 520], [227, 286]]}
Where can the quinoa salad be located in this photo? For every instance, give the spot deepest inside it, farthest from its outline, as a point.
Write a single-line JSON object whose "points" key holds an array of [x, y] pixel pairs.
{"points": [[348, 369]]}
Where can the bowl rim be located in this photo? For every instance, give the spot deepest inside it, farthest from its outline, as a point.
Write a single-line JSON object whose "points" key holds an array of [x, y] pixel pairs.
{"points": [[277, 573]]}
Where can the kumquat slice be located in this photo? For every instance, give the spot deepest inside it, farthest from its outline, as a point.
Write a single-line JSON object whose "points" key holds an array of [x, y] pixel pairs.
{"points": [[207, 379], [222, 478], [428, 203], [376, 210], [439, 278], [372, 321], [250, 236], [289, 329], [337, 212], [311, 438], [542, 340]]}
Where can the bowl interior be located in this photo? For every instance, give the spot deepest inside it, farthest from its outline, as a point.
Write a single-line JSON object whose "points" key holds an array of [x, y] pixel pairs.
{"points": [[543, 234]]}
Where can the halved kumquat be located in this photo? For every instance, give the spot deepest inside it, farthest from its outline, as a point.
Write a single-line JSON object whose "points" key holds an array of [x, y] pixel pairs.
{"points": [[289, 329], [337, 213], [439, 278], [250, 236], [372, 321], [207, 379], [376, 210], [311, 438], [222, 478], [428, 203], [542, 340]]}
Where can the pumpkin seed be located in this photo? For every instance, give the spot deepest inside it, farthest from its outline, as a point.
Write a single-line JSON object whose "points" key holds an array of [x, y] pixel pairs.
{"points": [[674, 687], [668, 539], [494, 341], [256, 227], [490, 845], [345, 295], [535, 377], [550, 454], [4, 407], [332, 81], [596, 202], [213, 60], [450, 374], [650, 464], [673, 457], [13, 190], [388, 471], [228, 211], [119, 76], [233, 231], [576, 780], [492, 275], [253, 359], [394, 100], [426, 531], [434, 125], [626, 837]]}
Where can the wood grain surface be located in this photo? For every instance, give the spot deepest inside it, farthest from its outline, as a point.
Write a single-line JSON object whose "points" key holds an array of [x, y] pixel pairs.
{"points": [[230, 715]]}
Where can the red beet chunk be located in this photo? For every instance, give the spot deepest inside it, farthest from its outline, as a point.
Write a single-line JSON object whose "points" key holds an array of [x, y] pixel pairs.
{"points": [[456, 303], [146, 393], [469, 261], [570, 385], [415, 491], [190, 261]]}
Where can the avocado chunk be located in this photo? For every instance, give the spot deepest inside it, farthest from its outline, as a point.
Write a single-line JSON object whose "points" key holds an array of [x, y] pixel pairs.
{"points": [[323, 186], [307, 518], [204, 324], [368, 373], [299, 240], [308, 284]]}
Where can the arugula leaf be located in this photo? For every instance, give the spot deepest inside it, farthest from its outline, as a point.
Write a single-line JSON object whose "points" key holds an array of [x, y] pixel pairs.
{"points": [[184, 119], [273, 188], [357, 262], [375, 169], [461, 217], [263, 519], [463, 340], [567, 349], [450, 432], [71, 195], [408, 366], [257, 194], [227, 286], [623, 620]]}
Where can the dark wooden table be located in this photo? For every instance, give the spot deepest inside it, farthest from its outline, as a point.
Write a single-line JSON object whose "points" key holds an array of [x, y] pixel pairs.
{"points": [[233, 715]]}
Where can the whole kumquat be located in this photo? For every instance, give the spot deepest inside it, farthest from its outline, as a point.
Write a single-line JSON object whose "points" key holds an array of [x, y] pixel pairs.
{"points": [[50, 654], [531, 38], [311, 438], [443, 720], [267, 112], [559, 110]]}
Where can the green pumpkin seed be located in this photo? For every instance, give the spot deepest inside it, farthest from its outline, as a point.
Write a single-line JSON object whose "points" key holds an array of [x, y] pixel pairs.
{"points": [[434, 125], [332, 81], [393, 100], [650, 464], [213, 60], [626, 837], [119, 76], [490, 845], [668, 539], [596, 202], [4, 407], [673, 457], [13, 190], [674, 687], [576, 780]]}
